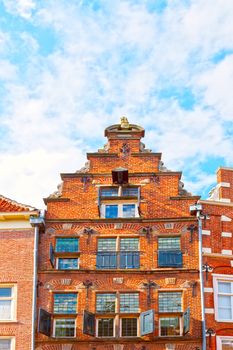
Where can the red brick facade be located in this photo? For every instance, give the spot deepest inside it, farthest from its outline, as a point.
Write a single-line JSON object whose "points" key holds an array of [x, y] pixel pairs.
{"points": [[218, 258], [156, 218], [16, 274]]}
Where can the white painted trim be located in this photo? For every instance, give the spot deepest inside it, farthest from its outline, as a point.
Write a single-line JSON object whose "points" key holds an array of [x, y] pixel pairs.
{"points": [[227, 251], [219, 341], [64, 318], [13, 300], [206, 250], [225, 200], [224, 184], [180, 323], [208, 290], [222, 276], [231, 263], [206, 232], [225, 218], [114, 330], [217, 278], [209, 310], [12, 341], [226, 234]]}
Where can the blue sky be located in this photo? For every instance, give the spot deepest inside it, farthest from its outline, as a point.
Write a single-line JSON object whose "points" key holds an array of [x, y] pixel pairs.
{"points": [[70, 68]]}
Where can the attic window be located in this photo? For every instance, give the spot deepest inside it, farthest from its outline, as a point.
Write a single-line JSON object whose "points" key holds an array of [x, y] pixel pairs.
{"points": [[120, 176]]}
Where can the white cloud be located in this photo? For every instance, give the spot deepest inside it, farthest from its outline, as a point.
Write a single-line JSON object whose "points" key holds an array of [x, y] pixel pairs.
{"points": [[21, 8]]}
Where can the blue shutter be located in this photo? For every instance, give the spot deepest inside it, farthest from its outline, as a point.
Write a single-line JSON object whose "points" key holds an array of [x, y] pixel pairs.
{"points": [[147, 322], [51, 255], [122, 260], [136, 260], [44, 322], [170, 258], [88, 323], [187, 320]]}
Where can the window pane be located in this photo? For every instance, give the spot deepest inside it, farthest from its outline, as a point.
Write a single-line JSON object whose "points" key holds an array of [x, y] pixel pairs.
{"points": [[129, 260], [129, 327], [169, 326], [67, 264], [5, 292], [170, 302], [106, 244], [129, 244], [227, 344], [224, 287], [109, 192], [129, 302], [111, 211], [64, 327], [105, 327], [5, 344], [130, 191], [67, 245], [105, 302], [65, 303], [224, 307], [128, 210], [169, 243], [106, 260], [5, 309]]}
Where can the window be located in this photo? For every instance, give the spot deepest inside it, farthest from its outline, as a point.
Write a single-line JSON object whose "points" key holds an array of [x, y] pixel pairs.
{"points": [[224, 343], [105, 303], [67, 245], [170, 302], [129, 327], [169, 253], [6, 344], [129, 302], [223, 293], [7, 303], [65, 303], [112, 202], [127, 257], [64, 327], [170, 326], [105, 327], [68, 263], [110, 303]]}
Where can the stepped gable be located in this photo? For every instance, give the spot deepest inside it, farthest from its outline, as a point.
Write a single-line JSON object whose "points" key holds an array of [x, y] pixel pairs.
{"points": [[9, 205]]}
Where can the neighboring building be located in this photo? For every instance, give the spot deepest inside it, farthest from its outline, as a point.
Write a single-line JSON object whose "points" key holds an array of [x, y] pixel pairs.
{"points": [[16, 275], [118, 263], [218, 262]]}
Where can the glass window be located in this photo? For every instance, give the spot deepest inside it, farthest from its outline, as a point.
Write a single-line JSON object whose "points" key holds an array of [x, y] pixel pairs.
{"points": [[169, 326], [129, 244], [68, 264], [170, 302], [129, 302], [6, 303], [64, 327], [109, 191], [5, 344], [169, 243], [227, 344], [225, 300], [67, 245], [106, 244], [130, 191], [128, 210], [105, 303], [129, 327], [111, 211], [105, 327], [65, 303]]}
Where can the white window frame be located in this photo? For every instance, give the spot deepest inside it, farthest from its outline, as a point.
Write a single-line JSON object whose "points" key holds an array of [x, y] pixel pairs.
{"points": [[12, 339], [97, 327], [219, 341], [216, 279], [13, 300], [57, 263], [180, 322], [63, 318], [120, 210], [129, 336]]}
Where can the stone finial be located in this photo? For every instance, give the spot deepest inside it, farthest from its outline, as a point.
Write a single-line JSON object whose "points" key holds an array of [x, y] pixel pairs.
{"points": [[124, 123]]}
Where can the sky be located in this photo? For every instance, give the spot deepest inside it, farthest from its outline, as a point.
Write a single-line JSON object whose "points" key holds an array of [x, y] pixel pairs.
{"points": [[69, 69]]}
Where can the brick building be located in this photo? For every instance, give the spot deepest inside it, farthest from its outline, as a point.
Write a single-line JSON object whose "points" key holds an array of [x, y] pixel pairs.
{"points": [[218, 262], [16, 275], [118, 262]]}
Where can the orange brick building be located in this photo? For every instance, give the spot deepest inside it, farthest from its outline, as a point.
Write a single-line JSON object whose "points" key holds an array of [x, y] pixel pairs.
{"points": [[217, 230], [118, 262], [16, 275]]}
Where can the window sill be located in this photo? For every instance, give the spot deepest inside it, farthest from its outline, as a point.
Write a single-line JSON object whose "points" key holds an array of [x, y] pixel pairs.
{"points": [[8, 321]]}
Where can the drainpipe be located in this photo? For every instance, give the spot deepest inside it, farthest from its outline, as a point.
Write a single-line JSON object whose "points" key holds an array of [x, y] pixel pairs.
{"points": [[37, 223], [196, 209]]}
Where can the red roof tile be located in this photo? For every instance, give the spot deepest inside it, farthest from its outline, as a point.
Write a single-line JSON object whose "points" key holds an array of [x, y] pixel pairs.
{"points": [[8, 205]]}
